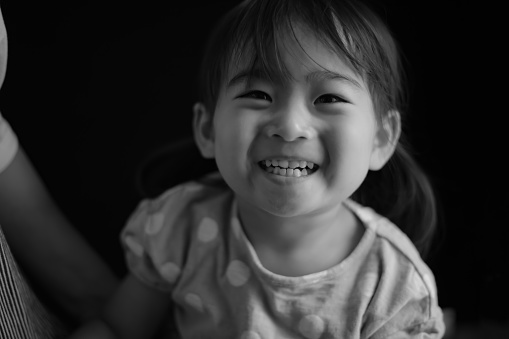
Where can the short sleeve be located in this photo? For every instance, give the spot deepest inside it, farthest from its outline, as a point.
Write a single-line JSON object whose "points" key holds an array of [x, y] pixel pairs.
{"points": [[400, 327], [418, 315], [154, 240], [8, 144]]}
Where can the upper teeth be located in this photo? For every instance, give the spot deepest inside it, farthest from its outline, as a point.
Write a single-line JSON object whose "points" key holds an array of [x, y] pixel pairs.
{"points": [[289, 163]]}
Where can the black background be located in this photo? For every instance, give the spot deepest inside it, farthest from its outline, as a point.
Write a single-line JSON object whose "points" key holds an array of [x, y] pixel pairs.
{"points": [[92, 87]]}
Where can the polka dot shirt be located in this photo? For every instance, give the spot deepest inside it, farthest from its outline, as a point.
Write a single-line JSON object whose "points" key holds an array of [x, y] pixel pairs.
{"points": [[190, 243]]}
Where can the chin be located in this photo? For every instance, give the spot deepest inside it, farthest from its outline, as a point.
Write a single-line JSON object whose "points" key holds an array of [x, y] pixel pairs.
{"points": [[285, 209]]}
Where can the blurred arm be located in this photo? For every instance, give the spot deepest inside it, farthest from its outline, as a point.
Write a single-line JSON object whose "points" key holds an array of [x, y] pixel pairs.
{"points": [[135, 311], [46, 245]]}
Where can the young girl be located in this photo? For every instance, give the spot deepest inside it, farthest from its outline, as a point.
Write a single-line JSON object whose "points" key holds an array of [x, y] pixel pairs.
{"points": [[301, 109]]}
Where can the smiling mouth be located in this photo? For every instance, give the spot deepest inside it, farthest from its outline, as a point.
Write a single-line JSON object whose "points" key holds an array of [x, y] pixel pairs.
{"points": [[289, 168]]}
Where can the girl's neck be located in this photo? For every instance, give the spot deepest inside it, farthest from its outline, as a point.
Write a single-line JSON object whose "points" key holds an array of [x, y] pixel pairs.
{"points": [[296, 246]]}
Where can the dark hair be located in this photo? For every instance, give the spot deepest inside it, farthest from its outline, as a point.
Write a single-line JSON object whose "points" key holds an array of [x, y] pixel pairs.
{"points": [[400, 191]]}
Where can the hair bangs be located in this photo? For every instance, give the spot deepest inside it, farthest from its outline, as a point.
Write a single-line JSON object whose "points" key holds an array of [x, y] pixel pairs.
{"points": [[259, 37], [253, 37], [357, 35], [268, 27]]}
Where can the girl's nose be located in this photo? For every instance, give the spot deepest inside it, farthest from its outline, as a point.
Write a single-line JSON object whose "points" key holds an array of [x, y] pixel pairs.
{"points": [[290, 124]]}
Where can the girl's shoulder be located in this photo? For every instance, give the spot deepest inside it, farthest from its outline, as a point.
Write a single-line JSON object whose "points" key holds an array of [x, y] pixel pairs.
{"points": [[179, 204], [160, 231], [404, 295], [205, 192], [393, 249]]}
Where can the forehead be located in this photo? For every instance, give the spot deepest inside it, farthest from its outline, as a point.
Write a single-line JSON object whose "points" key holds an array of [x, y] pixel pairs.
{"points": [[294, 52]]}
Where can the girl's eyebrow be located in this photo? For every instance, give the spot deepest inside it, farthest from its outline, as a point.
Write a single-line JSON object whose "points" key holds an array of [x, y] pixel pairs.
{"points": [[323, 75], [245, 75], [316, 76]]}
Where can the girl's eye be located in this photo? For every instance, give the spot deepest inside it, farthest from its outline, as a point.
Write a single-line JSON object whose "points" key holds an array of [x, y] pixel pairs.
{"points": [[259, 95], [329, 99]]}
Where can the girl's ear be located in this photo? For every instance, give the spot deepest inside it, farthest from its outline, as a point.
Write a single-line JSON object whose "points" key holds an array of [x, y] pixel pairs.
{"points": [[386, 140], [203, 130]]}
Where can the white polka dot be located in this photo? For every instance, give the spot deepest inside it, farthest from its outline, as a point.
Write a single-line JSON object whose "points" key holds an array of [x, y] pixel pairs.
{"points": [[208, 229], [169, 271], [237, 273], [250, 335], [311, 326], [134, 245], [155, 224], [236, 228], [194, 301]]}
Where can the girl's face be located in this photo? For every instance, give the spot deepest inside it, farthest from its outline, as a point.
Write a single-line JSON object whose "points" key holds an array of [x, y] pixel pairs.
{"points": [[296, 148]]}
